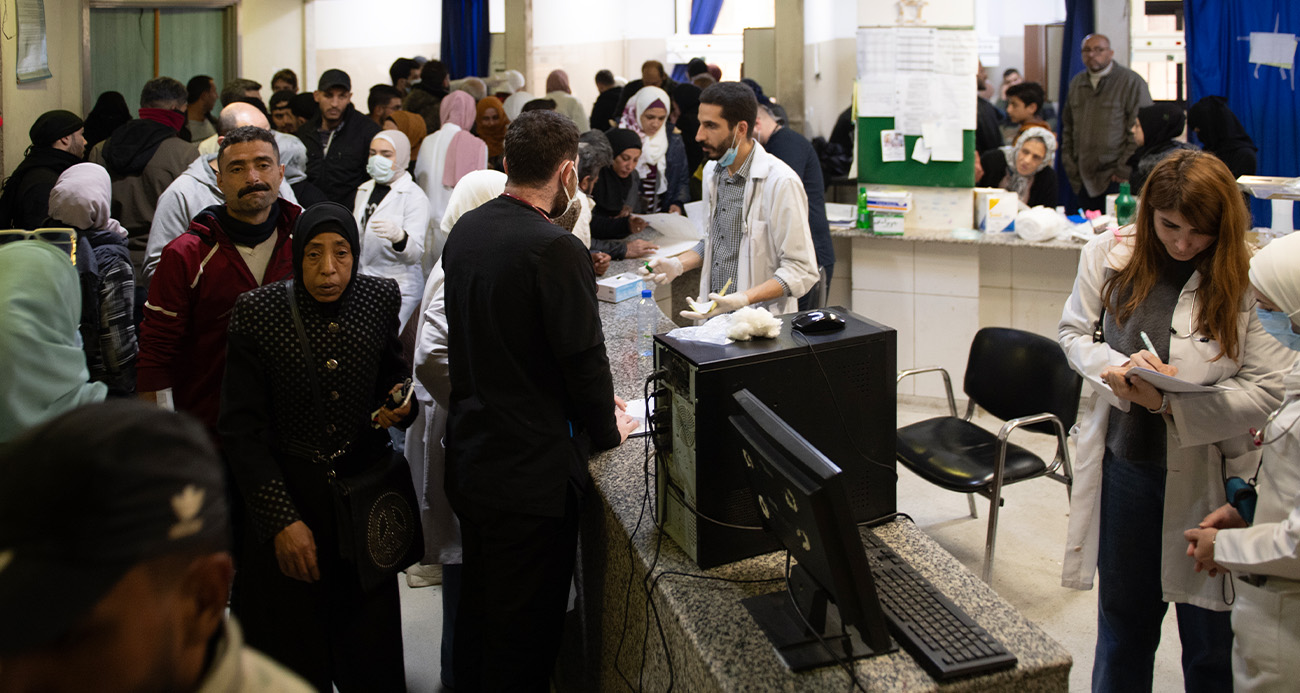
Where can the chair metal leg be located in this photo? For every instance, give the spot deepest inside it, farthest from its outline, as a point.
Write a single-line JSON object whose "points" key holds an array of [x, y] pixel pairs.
{"points": [[992, 538], [970, 500]]}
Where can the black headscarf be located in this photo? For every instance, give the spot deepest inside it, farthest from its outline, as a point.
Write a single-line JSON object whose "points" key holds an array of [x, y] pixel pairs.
{"points": [[1161, 123], [326, 217], [110, 113], [1218, 128], [610, 192]]}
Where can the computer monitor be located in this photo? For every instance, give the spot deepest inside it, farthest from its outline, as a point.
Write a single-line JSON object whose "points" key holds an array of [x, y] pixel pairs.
{"points": [[801, 497]]}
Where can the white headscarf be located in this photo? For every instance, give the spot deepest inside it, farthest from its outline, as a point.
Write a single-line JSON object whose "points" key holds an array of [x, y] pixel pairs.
{"points": [[1275, 271], [1014, 181], [83, 197], [402, 160], [654, 150], [474, 190], [515, 103]]}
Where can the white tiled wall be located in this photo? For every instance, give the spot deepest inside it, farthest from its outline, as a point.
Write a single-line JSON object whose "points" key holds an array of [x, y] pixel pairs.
{"points": [[938, 295]]}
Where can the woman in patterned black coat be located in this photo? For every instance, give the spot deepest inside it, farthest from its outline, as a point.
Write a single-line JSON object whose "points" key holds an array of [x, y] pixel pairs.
{"points": [[300, 601]]}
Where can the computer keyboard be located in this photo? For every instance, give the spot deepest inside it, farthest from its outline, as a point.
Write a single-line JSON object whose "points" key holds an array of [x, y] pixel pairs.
{"points": [[940, 636]]}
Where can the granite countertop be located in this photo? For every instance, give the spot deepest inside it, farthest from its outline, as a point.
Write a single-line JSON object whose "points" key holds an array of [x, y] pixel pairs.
{"points": [[713, 643], [960, 237]]}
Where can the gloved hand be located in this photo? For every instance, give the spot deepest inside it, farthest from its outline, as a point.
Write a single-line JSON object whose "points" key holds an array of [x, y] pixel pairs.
{"points": [[388, 230], [721, 304], [663, 270]]}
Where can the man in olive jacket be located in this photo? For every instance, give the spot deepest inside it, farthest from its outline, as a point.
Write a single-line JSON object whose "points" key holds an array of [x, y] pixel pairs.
{"points": [[1099, 111]]}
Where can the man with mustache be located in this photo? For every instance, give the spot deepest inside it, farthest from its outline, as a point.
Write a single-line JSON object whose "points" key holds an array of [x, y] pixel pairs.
{"points": [[229, 249]]}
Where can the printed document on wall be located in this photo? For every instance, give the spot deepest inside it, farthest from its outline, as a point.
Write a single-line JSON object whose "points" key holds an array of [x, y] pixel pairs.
{"points": [[876, 94], [917, 94], [915, 49], [876, 48], [944, 140], [956, 52]]}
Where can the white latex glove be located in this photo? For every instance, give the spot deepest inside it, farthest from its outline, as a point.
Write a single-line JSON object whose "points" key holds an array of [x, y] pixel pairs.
{"points": [[388, 230], [720, 304], [663, 270]]}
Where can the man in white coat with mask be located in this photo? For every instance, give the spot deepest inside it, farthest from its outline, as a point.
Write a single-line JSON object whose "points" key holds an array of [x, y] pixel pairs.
{"points": [[756, 214]]}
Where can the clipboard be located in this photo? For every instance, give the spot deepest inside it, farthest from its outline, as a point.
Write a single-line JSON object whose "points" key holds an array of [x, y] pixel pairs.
{"points": [[1166, 383]]}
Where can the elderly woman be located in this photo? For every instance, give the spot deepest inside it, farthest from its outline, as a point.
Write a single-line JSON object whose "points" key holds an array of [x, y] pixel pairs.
{"points": [[1024, 168], [662, 168], [393, 215], [1171, 294]]}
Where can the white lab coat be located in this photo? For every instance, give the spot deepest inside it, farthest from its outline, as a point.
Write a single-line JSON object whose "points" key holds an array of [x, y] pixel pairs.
{"points": [[405, 204], [1200, 426], [429, 167], [1266, 619], [775, 239]]}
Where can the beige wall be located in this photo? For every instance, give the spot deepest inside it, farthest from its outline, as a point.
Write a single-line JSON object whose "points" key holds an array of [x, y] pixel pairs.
{"points": [[829, 69], [270, 39], [21, 104]]}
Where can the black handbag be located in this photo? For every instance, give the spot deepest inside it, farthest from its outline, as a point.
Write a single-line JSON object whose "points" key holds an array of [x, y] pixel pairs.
{"points": [[378, 516]]}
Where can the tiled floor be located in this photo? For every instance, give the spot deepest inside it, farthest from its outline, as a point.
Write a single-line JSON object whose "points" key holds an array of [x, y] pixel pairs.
{"points": [[1031, 540]]}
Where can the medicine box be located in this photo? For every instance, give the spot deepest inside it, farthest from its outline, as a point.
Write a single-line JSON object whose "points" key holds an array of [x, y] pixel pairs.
{"points": [[886, 223], [995, 209], [619, 287]]}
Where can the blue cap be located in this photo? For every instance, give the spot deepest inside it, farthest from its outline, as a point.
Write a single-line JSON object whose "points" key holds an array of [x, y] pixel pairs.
{"points": [[647, 293]]}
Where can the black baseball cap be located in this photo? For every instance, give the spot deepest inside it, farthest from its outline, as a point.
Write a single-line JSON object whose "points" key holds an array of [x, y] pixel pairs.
{"points": [[334, 78], [88, 496]]}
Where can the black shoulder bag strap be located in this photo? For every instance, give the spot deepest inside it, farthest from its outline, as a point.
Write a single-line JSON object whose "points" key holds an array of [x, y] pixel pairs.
{"points": [[317, 400]]}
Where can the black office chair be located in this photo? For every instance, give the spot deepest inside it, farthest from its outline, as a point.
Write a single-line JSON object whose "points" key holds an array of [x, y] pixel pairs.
{"points": [[1019, 377]]}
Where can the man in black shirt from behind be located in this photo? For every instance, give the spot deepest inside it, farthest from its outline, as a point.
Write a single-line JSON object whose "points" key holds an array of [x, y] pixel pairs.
{"points": [[531, 399], [798, 153]]}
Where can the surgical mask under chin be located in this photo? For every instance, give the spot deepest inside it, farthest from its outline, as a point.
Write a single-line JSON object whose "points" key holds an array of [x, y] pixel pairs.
{"points": [[1278, 324], [729, 156], [413, 82], [572, 199], [381, 169]]}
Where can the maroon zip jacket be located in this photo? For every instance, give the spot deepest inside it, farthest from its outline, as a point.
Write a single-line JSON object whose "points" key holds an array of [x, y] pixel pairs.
{"points": [[191, 296]]}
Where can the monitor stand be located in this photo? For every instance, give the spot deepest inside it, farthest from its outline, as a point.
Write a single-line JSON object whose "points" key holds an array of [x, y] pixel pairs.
{"points": [[797, 646]]}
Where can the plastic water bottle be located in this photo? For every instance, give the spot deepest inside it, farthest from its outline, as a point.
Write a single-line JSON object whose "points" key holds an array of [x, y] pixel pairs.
{"points": [[864, 216], [1125, 205], [647, 319]]}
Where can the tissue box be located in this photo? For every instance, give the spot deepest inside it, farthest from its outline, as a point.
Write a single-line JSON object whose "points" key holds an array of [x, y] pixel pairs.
{"points": [[995, 209], [892, 201], [619, 287]]}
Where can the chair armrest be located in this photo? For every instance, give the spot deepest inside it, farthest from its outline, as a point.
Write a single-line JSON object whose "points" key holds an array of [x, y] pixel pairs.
{"points": [[1008, 427], [947, 382]]}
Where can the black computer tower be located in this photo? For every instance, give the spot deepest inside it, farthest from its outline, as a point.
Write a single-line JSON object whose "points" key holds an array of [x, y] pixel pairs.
{"points": [[837, 389]]}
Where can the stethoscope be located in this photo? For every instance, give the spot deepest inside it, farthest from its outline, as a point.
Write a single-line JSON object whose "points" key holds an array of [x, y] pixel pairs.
{"points": [[1258, 435]]}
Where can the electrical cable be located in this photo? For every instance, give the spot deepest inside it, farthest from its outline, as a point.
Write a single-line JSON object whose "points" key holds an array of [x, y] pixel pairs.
{"points": [[853, 676], [839, 411]]}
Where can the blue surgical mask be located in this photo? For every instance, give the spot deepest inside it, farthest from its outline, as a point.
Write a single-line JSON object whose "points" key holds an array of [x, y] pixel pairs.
{"points": [[1278, 324], [729, 156], [380, 168]]}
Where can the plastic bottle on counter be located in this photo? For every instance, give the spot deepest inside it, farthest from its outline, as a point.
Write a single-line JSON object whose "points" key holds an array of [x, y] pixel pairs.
{"points": [[647, 320], [1125, 205], [864, 216]]}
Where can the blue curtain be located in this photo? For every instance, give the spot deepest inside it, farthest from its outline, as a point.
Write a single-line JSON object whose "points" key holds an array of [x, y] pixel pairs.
{"points": [[1218, 61], [704, 15], [1079, 22], [466, 40]]}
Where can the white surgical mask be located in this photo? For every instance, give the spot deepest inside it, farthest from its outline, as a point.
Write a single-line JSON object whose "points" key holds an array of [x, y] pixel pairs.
{"points": [[381, 169], [1278, 324], [413, 82], [570, 197]]}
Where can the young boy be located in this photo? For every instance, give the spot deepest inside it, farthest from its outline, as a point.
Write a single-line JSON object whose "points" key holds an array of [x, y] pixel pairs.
{"points": [[1025, 104]]}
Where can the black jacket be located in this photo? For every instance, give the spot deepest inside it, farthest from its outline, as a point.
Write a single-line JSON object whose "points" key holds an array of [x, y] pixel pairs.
{"points": [[531, 391], [606, 109], [340, 171], [798, 153], [988, 133], [25, 202]]}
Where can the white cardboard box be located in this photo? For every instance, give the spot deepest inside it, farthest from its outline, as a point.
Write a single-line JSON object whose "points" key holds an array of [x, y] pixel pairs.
{"points": [[619, 287], [995, 209]]}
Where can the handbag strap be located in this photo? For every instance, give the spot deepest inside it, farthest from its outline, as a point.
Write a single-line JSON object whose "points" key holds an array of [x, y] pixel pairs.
{"points": [[317, 399]]}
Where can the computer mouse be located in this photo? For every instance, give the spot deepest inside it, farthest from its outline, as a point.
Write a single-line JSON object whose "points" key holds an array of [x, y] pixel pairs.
{"points": [[818, 321]]}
